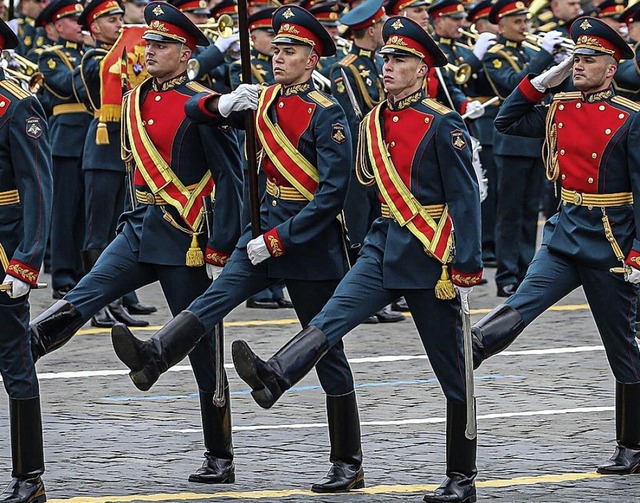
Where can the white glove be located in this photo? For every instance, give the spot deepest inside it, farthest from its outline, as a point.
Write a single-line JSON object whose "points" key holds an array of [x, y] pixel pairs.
{"points": [[223, 43], [257, 250], [560, 56], [245, 97], [633, 276], [464, 292], [554, 76], [550, 40], [474, 110], [213, 271], [18, 287], [484, 41]]}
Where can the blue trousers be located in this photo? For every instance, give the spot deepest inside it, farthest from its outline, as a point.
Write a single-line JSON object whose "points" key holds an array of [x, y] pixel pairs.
{"points": [[16, 363], [118, 271], [240, 280], [360, 294], [552, 276]]}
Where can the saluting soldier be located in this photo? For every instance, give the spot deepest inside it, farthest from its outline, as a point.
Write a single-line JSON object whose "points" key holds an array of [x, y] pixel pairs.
{"points": [[176, 164], [518, 159], [417, 153], [25, 212], [363, 68], [593, 240], [307, 145], [69, 124]]}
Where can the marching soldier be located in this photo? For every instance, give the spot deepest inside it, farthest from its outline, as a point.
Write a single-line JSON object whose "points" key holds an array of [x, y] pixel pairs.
{"points": [[307, 160], [328, 13], [363, 68], [593, 240], [413, 9], [25, 209], [518, 159], [69, 124], [425, 197], [176, 164]]}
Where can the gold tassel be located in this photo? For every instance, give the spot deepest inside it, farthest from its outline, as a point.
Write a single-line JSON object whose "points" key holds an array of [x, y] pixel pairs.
{"points": [[102, 135], [195, 257], [444, 286]]}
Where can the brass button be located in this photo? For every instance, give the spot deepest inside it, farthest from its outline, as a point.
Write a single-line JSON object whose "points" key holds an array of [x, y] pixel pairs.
{"points": [[594, 155], [158, 98], [607, 131], [3, 104], [426, 120], [392, 144], [562, 152], [578, 105], [577, 199], [150, 198], [590, 180], [560, 124], [561, 107], [150, 122], [309, 110], [621, 116], [274, 203], [601, 107], [281, 104], [396, 118], [564, 176]]}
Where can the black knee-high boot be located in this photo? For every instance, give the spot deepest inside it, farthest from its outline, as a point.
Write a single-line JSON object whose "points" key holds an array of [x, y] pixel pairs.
{"points": [[495, 332], [218, 467], [459, 486], [167, 347], [269, 380], [346, 472], [53, 328], [626, 458], [27, 453]]}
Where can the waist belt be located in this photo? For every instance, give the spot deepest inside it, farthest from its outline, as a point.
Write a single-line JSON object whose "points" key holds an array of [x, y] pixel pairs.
{"points": [[9, 197], [69, 108], [600, 200], [145, 197], [434, 210], [285, 193]]}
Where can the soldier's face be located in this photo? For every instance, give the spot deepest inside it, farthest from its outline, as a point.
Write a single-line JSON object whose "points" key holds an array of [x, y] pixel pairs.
{"points": [[165, 60], [634, 31], [448, 27], [593, 73], [402, 75], [134, 13], [69, 29], [514, 27], [293, 64], [418, 14], [566, 9], [621, 28], [262, 41], [107, 28]]}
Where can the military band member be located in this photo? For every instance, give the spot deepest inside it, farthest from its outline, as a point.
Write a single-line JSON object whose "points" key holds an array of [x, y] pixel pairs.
{"points": [[69, 124], [432, 192], [417, 10], [29, 34], [518, 159], [25, 212], [609, 12], [307, 162], [134, 11], [175, 164], [563, 13], [596, 231]]}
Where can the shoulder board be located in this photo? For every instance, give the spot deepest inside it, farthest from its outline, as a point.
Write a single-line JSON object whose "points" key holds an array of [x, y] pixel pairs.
{"points": [[570, 95], [496, 48], [436, 106], [548, 27], [545, 16], [532, 47], [197, 87], [320, 99], [14, 89], [348, 59], [626, 102], [52, 48]]}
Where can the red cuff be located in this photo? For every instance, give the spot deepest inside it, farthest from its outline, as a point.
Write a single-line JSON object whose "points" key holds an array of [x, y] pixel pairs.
{"points": [[633, 259], [23, 272], [531, 94], [465, 279], [463, 107], [202, 104], [216, 257], [274, 243]]}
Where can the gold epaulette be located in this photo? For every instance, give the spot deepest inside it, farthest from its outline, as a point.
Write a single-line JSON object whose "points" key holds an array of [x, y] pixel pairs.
{"points": [[626, 102], [545, 16], [436, 106], [569, 95], [348, 59], [14, 89], [197, 87], [548, 26], [52, 48], [496, 48], [320, 99]]}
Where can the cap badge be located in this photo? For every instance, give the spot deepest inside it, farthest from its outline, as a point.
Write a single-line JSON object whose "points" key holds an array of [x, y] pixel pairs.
{"points": [[585, 25], [288, 14], [157, 10], [397, 24]]}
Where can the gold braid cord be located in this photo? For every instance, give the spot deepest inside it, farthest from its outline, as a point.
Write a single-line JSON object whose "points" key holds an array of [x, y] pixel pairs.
{"points": [[550, 145], [364, 174]]}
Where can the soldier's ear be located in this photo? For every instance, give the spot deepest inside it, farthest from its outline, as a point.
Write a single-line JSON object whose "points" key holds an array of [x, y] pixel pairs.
{"points": [[312, 61]]}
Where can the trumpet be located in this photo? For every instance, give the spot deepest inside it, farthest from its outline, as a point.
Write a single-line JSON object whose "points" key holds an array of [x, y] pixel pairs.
{"points": [[28, 82], [461, 73], [223, 27], [565, 43], [21, 69]]}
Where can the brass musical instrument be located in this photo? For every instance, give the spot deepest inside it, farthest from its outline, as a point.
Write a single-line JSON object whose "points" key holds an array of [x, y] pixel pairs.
{"points": [[21, 69], [223, 27], [566, 43], [461, 73]]}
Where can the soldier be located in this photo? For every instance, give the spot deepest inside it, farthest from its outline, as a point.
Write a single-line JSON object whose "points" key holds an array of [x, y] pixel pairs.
{"points": [[609, 12], [593, 240], [306, 161], [175, 165], [25, 209], [69, 124], [424, 198], [563, 14], [627, 79], [28, 33], [134, 11], [328, 13], [518, 160], [413, 9]]}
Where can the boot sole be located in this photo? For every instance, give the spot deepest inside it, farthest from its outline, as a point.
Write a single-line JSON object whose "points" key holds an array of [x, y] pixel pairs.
{"points": [[141, 380], [227, 480], [320, 489], [125, 348], [244, 364]]}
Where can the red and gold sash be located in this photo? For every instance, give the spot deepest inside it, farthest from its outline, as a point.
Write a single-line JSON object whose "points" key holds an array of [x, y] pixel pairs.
{"points": [[157, 173], [437, 238], [289, 162]]}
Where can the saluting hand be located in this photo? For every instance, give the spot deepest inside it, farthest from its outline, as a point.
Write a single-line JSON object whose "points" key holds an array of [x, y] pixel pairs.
{"points": [[257, 250], [245, 97], [18, 287], [554, 76]]}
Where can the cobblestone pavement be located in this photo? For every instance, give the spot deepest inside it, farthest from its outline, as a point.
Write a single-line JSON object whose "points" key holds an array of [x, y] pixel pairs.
{"points": [[545, 418]]}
